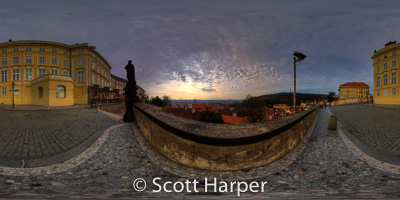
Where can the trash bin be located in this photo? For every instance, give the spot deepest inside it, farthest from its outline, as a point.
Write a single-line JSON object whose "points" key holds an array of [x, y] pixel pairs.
{"points": [[332, 123]]}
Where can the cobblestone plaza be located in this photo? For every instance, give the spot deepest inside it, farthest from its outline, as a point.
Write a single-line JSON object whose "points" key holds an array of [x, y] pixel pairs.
{"points": [[325, 164]]}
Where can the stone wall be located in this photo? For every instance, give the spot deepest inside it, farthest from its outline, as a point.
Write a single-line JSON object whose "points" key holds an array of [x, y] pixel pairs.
{"points": [[348, 101], [116, 108], [221, 147]]}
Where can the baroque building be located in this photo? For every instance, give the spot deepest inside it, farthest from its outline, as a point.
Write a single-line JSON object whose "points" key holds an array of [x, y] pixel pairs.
{"points": [[385, 67], [354, 90], [51, 73]]}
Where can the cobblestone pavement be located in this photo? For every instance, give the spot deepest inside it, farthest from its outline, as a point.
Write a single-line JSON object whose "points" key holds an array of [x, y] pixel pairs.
{"points": [[377, 127], [325, 169], [37, 136]]}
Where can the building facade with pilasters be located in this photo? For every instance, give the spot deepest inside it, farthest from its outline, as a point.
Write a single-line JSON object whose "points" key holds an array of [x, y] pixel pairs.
{"points": [[386, 71], [50, 73]]}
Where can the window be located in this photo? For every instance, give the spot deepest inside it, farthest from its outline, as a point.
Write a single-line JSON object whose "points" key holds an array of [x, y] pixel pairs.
{"points": [[4, 50], [65, 52], [384, 66], [377, 92], [98, 68], [15, 74], [394, 91], [93, 79], [60, 91], [54, 50], [16, 59], [54, 71], [40, 92], [42, 72], [393, 63], [98, 81], [54, 61], [393, 53], [28, 48], [16, 90], [4, 76], [65, 64], [384, 79], [80, 76], [4, 61], [385, 56], [93, 66], [80, 52], [41, 48], [377, 69], [80, 61], [102, 83], [16, 49], [28, 59], [4, 90], [28, 74], [41, 59], [394, 77], [385, 92]]}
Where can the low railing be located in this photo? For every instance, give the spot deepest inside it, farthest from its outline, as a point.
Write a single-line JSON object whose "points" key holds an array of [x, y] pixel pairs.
{"points": [[104, 101], [221, 147]]}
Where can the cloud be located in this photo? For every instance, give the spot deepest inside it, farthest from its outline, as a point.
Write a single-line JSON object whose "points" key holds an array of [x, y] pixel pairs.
{"points": [[232, 47], [208, 90]]}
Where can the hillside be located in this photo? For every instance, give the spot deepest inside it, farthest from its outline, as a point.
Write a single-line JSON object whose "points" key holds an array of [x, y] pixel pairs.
{"points": [[287, 98]]}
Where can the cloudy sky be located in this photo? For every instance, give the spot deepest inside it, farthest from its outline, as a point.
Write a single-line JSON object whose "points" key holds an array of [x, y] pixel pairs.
{"points": [[219, 49]]}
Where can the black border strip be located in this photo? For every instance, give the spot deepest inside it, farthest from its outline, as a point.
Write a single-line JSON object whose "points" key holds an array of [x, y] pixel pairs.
{"points": [[222, 141]]}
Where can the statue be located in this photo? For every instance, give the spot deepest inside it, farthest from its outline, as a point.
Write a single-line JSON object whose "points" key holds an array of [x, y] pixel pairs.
{"points": [[130, 92]]}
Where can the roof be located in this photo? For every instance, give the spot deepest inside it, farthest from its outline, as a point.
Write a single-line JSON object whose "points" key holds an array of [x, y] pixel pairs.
{"points": [[355, 84], [234, 120]]}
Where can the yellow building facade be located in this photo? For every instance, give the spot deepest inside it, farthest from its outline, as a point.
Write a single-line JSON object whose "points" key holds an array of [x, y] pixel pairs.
{"points": [[386, 70], [353, 90], [50, 73]]}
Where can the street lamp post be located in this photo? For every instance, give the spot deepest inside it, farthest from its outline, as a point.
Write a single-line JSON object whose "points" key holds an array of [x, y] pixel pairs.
{"points": [[298, 58], [13, 86]]}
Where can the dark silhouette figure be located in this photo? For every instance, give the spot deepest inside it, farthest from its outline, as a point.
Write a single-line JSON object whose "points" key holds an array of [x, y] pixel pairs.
{"points": [[130, 92]]}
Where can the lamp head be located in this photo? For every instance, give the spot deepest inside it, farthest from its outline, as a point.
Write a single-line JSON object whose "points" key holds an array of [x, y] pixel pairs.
{"points": [[299, 55], [13, 84]]}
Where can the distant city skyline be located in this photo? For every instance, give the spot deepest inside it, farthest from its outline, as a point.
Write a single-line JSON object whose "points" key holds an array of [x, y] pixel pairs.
{"points": [[217, 49]]}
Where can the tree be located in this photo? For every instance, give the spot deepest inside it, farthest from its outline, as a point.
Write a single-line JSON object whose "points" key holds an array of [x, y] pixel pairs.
{"points": [[156, 101], [166, 100], [253, 107], [211, 117], [330, 96]]}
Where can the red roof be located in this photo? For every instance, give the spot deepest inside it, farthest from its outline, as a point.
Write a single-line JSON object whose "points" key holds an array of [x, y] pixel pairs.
{"points": [[234, 120], [355, 83]]}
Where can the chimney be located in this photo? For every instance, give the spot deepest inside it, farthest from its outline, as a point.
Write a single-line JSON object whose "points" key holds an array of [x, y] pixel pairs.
{"points": [[10, 40]]}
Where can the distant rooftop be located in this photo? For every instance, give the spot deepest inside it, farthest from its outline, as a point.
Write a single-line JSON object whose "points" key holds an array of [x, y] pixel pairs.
{"points": [[355, 83]]}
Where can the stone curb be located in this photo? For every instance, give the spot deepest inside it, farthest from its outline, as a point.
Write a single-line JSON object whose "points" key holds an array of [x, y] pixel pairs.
{"points": [[383, 166]]}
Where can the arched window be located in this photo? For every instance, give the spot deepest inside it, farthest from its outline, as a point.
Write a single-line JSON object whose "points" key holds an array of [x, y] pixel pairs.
{"points": [[60, 91], [40, 92]]}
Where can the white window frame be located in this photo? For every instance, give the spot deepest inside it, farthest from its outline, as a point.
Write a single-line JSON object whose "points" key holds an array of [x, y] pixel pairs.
{"points": [[4, 76], [54, 60], [54, 71], [42, 59], [42, 72], [15, 74], [28, 74], [394, 77], [28, 59], [4, 90], [81, 77]]}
